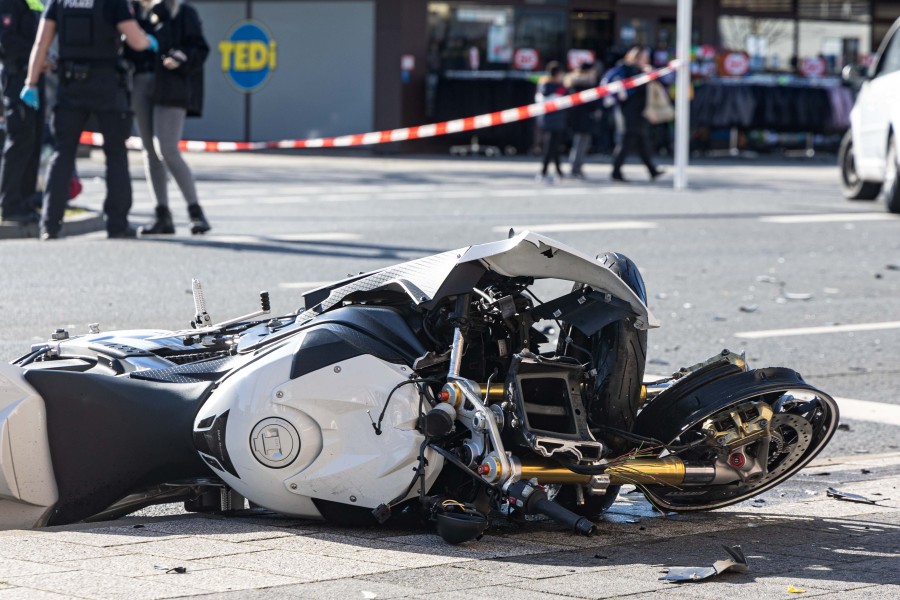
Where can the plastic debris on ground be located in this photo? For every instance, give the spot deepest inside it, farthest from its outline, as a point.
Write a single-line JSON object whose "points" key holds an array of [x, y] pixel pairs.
{"points": [[795, 590], [177, 570], [848, 497], [736, 563], [796, 296], [749, 308]]}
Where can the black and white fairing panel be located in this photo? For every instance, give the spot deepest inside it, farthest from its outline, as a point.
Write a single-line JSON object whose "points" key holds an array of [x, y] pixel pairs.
{"points": [[27, 488], [457, 271], [282, 442]]}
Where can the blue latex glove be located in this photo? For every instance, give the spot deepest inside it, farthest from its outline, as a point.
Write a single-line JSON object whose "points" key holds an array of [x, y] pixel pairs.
{"points": [[154, 45], [30, 97]]}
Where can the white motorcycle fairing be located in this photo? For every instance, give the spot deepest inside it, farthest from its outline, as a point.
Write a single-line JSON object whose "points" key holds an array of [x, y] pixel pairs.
{"points": [[27, 486], [524, 255], [284, 442]]}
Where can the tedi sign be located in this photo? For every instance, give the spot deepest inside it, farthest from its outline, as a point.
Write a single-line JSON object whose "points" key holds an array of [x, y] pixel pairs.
{"points": [[248, 56]]}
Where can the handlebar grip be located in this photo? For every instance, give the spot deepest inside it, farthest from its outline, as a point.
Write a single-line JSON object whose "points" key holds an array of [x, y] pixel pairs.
{"points": [[563, 515]]}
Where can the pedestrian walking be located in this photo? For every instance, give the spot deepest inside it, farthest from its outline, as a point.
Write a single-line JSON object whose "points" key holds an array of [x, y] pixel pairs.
{"points": [[553, 125], [581, 118], [168, 87], [24, 124], [631, 123], [93, 80]]}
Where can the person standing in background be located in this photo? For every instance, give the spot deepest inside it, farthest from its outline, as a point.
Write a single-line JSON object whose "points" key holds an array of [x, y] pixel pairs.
{"points": [[92, 80], [24, 125], [168, 88], [631, 104], [581, 117], [553, 124]]}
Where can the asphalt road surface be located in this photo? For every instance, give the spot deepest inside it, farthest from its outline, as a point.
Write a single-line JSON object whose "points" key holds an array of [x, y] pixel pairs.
{"points": [[758, 257]]}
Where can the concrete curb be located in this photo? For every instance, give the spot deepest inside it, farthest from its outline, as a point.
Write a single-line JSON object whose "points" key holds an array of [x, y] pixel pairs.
{"points": [[78, 221]]}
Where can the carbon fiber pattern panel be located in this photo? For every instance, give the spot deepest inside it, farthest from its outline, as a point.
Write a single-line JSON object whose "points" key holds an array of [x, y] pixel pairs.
{"points": [[120, 351], [207, 370], [421, 278]]}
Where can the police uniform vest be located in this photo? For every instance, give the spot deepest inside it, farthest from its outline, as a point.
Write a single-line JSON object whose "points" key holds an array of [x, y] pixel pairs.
{"points": [[85, 34]]}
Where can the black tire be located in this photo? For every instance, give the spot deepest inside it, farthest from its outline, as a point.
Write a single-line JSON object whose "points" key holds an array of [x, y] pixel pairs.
{"points": [[613, 398], [891, 177], [852, 186]]}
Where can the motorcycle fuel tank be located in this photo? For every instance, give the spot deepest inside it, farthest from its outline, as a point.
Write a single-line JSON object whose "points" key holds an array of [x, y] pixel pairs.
{"points": [[283, 443]]}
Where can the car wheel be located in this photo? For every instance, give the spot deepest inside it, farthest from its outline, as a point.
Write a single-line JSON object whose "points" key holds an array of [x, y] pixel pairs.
{"points": [[852, 186], [891, 183]]}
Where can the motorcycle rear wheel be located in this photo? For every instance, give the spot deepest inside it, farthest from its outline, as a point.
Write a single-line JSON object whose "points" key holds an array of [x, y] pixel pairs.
{"points": [[619, 354]]}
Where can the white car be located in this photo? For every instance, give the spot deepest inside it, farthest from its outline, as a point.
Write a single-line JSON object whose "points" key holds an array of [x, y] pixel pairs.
{"points": [[869, 152]]}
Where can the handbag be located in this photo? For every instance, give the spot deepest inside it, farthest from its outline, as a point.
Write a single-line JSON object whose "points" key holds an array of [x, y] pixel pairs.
{"points": [[658, 109]]}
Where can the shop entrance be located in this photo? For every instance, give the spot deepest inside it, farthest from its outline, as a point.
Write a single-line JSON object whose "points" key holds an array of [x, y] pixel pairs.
{"points": [[592, 30]]}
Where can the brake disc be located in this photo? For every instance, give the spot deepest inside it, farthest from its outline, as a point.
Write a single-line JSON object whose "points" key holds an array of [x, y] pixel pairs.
{"points": [[796, 434]]}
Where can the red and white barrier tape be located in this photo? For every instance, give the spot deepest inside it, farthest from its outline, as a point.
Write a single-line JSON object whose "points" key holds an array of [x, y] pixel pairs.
{"points": [[511, 115]]}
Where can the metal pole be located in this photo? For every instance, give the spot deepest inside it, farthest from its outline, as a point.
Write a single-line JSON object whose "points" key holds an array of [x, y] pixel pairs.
{"points": [[683, 93]]}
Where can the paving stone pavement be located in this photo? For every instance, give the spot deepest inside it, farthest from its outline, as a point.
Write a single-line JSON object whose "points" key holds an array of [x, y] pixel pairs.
{"points": [[794, 537]]}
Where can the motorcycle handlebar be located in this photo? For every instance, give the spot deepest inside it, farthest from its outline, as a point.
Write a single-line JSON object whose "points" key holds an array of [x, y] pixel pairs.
{"points": [[563, 515], [534, 500]]}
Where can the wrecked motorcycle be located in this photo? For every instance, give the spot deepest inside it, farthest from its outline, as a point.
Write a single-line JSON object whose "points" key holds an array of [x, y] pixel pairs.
{"points": [[440, 389]]}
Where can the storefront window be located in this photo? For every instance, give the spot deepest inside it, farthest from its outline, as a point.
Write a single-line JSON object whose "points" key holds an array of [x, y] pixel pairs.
{"points": [[543, 30], [638, 32], [470, 36], [479, 37]]}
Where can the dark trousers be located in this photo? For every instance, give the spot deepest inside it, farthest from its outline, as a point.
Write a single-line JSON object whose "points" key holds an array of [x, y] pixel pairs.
{"points": [[552, 140], [634, 138], [22, 149], [68, 123]]}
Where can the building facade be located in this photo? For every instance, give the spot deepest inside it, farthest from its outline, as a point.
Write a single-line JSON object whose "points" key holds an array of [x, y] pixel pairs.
{"points": [[294, 69]]}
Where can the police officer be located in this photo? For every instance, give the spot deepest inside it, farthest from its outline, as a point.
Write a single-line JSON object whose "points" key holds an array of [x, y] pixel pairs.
{"points": [[24, 125], [92, 80]]}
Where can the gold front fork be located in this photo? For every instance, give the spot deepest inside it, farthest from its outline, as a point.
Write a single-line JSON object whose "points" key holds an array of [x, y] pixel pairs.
{"points": [[669, 470]]}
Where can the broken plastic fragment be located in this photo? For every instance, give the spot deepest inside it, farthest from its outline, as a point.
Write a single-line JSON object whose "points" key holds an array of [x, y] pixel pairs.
{"points": [[797, 296], [766, 279], [737, 563], [795, 590], [167, 569], [848, 497]]}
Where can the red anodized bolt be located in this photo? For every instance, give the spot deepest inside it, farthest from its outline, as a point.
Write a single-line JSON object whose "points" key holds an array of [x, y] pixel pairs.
{"points": [[737, 460]]}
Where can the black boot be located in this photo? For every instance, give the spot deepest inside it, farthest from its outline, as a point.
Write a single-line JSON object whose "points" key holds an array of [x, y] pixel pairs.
{"points": [[199, 224], [163, 223]]}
